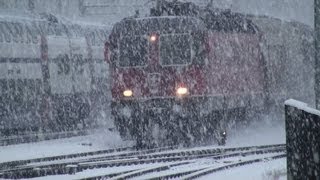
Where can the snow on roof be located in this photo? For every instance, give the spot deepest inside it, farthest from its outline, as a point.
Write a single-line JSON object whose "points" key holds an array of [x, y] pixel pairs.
{"points": [[302, 106], [8, 17], [18, 15]]}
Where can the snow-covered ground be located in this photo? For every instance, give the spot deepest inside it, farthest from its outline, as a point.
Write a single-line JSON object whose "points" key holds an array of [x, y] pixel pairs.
{"points": [[271, 170], [261, 133], [99, 140]]}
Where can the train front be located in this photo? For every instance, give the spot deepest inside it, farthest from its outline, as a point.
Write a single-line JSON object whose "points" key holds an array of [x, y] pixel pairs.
{"points": [[158, 69]]}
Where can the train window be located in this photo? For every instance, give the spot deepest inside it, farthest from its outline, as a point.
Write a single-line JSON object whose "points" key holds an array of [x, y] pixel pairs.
{"points": [[11, 30], [3, 86], [19, 92], [63, 64], [92, 38], [133, 51], [29, 34], [50, 29], [58, 29], [42, 27], [199, 48], [75, 30], [19, 30], [96, 38], [175, 49], [6, 32], [32, 32], [29, 90], [101, 38], [79, 63], [38, 87], [14, 32], [35, 31], [1, 34], [11, 88]]}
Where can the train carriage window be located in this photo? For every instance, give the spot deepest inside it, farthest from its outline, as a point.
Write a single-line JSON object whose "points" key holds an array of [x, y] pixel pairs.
{"points": [[29, 96], [12, 31], [1, 33], [6, 32], [35, 33], [11, 88], [199, 48], [63, 63], [19, 92], [57, 29], [133, 51], [19, 30], [38, 87], [75, 30], [175, 49], [101, 37], [42, 26], [78, 63], [4, 90], [16, 31], [92, 38], [32, 34], [96, 41], [50, 29], [3, 87]]}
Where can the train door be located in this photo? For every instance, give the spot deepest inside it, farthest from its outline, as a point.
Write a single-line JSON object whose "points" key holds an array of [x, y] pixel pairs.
{"points": [[20, 76], [100, 94], [70, 79]]}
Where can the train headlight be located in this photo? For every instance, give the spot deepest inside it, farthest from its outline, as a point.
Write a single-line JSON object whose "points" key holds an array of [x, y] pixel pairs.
{"points": [[181, 91], [127, 93], [153, 38]]}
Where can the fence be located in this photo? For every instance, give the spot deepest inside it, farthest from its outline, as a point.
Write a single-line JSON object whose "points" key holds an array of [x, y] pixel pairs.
{"points": [[303, 141]]}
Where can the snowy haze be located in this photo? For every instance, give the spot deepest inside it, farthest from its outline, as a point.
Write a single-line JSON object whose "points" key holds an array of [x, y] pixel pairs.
{"points": [[299, 10], [110, 11]]}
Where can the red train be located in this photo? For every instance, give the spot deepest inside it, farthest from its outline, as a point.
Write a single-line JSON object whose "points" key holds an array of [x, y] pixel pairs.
{"points": [[182, 78]]}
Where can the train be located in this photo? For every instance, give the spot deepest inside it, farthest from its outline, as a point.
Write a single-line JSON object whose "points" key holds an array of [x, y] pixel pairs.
{"points": [[186, 74], [53, 75]]}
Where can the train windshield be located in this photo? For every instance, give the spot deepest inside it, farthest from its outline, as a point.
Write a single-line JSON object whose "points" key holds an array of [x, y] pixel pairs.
{"points": [[133, 51], [175, 49]]}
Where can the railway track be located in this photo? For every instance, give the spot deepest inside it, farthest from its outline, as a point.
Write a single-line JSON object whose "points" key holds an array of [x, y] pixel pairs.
{"points": [[130, 163], [37, 137]]}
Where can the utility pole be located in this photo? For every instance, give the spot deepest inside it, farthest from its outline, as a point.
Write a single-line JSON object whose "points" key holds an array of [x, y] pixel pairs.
{"points": [[317, 51]]}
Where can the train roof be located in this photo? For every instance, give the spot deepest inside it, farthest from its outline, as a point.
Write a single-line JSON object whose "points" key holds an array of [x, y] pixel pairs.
{"points": [[19, 29], [209, 18], [163, 24]]}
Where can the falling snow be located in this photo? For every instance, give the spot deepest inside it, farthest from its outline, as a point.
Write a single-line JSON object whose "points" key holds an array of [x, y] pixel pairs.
{"points": [[149, 73]]}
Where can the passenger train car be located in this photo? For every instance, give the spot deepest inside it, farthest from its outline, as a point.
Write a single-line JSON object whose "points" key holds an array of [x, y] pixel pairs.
{"points": [[185, 74], [53, 76]]}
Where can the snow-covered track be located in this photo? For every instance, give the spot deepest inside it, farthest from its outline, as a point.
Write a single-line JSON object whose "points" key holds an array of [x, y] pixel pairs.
{"points": [[12, 164], [37, 137], [49, 165], [198, 172], [207, 171], [189, 159], [159, 159]]}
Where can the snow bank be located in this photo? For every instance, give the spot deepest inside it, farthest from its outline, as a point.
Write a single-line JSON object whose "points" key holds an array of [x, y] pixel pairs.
{"points": [[302, 106]]}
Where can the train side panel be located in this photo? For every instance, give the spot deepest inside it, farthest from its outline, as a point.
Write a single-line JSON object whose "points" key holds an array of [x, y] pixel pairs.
{"points": [[21, 85], [236, 69], [288, 48]]}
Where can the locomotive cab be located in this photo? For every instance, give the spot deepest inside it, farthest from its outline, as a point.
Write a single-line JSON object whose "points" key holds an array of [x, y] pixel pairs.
{"points": [[157, 71], [179, 78]]}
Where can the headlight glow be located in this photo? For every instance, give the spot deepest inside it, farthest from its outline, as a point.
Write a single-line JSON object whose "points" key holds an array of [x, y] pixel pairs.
{"points": [[182, 91], [153, 38], [127, 93]]}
